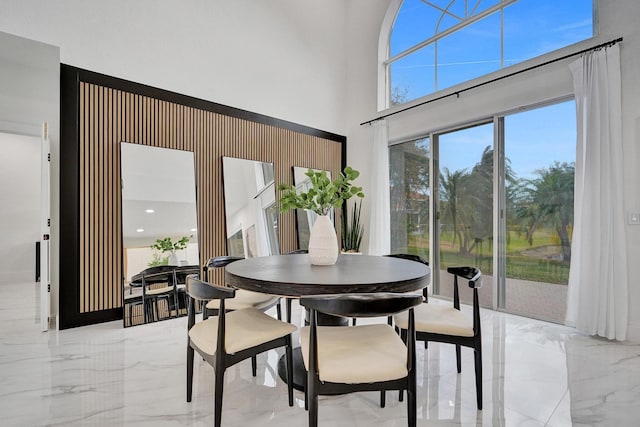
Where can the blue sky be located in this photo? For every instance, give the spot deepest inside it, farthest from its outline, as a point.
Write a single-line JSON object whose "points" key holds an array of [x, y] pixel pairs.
{"points": [[534, 139], [531, 28]]}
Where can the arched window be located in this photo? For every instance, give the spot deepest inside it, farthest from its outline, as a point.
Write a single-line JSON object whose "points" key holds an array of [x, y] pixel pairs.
{"points": [[436, 44]]}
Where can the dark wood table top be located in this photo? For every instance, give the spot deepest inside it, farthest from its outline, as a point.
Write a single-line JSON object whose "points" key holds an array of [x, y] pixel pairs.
{"points": [[294, 276]]}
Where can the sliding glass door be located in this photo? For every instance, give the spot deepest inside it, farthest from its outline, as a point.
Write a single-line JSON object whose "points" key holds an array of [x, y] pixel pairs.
{"points": [[539, 164], [500, 197], [465, 212], [410, 195]]}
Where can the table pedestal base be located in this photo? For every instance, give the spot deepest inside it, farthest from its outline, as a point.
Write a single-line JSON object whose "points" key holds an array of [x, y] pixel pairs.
{"points": [[299, 372]]}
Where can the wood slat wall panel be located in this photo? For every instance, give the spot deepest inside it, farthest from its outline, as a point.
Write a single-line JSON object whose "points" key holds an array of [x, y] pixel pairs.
{"points": [[109, 116]]}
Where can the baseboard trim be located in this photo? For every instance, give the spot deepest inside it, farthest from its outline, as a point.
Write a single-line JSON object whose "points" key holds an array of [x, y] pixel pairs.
{"points": [[633, 333]]}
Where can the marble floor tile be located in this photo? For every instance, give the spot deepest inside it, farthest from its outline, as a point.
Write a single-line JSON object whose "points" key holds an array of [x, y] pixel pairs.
{"points": [[535, 374]]}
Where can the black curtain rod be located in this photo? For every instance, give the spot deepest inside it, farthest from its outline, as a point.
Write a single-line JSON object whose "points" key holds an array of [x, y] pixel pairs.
{"points": [[533, 67]]}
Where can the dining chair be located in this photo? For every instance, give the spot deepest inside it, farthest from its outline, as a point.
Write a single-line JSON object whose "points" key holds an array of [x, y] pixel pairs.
{"points": [[447, 324], [180, 280], [132, 301], [409, 257], [157, 284], [346, 359], [232, 337], [243, 298]]}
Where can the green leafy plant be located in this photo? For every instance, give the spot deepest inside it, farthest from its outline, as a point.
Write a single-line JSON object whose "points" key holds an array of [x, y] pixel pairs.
{"points": [[168, 245], [352, 229], [158, 259], [324, 193]]}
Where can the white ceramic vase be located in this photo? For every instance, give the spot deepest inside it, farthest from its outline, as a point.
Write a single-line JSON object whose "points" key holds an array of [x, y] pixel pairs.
{"points": [[323, 242], [173, 258]]}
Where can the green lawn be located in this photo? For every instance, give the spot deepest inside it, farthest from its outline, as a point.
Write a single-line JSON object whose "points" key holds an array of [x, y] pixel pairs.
{"points": [[527, 262]]}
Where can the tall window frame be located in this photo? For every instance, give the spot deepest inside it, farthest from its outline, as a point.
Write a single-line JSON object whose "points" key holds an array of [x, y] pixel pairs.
{"points": [[473, 12]]}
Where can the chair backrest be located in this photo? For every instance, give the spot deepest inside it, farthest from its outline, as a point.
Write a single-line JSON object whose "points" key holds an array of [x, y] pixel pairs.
{"points": [[361, 305], [217, 262], [203, 291], [298, 251], [198, 290], [410, 257], [472, 274]]}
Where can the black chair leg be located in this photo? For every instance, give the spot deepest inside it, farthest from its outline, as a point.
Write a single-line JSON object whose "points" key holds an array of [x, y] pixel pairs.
{"points": [[219, 384], [288, 310], [478, 365], [279, 310], [383, 398], [411, 404], [290, 371], [458, 359], [254, 365], [190, 355], [312, 398]]}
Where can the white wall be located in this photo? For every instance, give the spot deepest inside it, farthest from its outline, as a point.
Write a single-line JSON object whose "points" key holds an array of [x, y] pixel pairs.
{"points": [[30, 96], [282, 58], [365, 18], [20, 206], [617, 18]]}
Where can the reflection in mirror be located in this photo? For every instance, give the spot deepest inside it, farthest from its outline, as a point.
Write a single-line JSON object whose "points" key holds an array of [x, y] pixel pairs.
{"points": [[250, 208], [304, 219], [159, 210]]}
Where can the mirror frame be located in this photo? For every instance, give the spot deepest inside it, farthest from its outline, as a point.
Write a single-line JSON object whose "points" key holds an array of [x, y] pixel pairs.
{"points": [[246, 232], [179, 269]]}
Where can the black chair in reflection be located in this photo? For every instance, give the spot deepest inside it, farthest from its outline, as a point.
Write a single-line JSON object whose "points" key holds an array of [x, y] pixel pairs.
{"points": [[162, 283], [446, 324], [345, 359]]}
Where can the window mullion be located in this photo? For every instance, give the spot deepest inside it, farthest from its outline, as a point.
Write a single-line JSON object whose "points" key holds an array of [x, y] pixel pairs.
{"points": [[450, 30]]}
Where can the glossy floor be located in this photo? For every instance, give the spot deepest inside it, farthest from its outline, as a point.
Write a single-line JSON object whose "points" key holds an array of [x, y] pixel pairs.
{"points": [[536, 374]]}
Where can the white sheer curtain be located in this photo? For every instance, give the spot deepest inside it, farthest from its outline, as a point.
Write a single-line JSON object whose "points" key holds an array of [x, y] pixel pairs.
{"points": [[380, 224], [598, 288]]}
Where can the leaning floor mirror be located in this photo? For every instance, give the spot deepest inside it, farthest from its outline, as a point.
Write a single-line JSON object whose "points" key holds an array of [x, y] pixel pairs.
{"points": [[159, 231], [250, 208]]}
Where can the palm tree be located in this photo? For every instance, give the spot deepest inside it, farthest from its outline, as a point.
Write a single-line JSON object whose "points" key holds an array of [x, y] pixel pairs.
{"points": [[549, 203], [450, 185]]}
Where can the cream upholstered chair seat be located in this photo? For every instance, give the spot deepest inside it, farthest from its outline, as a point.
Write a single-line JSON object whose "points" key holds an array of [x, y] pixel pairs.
{"points": [[347, 359], [231, 337], [246, 299], [447, 324], [358, 354], [159, 291], [438, 319], [245, 328]]}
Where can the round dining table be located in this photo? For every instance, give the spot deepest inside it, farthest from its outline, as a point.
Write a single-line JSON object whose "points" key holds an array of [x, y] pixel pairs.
{"points": [[293, 276]]}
